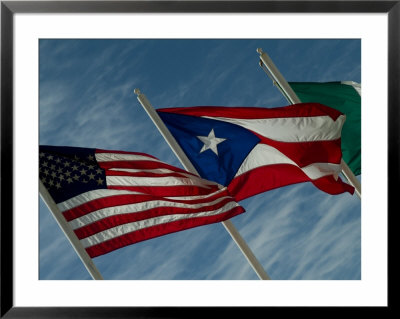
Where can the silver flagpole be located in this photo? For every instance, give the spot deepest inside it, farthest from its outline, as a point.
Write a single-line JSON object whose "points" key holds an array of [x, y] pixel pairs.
{"points": [[69, 233], [187, 164], [278, 79]]}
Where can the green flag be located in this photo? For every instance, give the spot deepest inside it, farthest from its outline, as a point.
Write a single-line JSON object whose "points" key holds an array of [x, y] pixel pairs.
{"points": [[345, 97]]}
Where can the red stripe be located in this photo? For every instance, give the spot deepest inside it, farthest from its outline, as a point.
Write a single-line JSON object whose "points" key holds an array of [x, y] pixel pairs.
{"points": [[296, 110], [329, 185], [306, 153], [145, 174], [157, 231], [140, 165], [93, 205], [113, 221], [168, 191], [269, 177], [118, 200]]}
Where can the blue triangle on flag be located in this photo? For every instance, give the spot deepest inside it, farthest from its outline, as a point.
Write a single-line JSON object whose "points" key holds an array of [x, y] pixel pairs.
{"points": [[216, 149]]}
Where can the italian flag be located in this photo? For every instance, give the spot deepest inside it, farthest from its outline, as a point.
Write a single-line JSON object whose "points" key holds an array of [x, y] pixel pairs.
{"points": [[345, 97]]}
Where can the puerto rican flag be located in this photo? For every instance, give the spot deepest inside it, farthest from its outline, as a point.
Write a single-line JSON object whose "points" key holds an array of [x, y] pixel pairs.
{"points": [[252, 150]]}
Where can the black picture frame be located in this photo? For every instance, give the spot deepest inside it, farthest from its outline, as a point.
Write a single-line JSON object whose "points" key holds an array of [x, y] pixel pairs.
{"points": [[9, 8]]}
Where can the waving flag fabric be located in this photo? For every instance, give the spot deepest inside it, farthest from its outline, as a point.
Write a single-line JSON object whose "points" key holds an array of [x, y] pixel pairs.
{"points": [[112, 199], [345, 97], [251, 150]]}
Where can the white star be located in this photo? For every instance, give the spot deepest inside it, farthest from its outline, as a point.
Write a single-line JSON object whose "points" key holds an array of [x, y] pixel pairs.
{"points": [[210, 142]]}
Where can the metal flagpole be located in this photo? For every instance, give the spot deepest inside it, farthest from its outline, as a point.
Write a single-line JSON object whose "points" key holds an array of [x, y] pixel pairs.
{"points": [[278, 79], [73, 239], [187, 164]]}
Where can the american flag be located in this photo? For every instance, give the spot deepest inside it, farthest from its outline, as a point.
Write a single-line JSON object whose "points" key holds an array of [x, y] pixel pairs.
{"points": [[112, 199]]}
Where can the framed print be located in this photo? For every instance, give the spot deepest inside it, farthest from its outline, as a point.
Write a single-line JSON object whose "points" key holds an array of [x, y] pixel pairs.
{"points": [[87, 88]]}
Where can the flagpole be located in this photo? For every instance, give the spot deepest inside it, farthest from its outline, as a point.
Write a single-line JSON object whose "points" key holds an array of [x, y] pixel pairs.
{"points": [[69, 233], [187, 164], [278, 79]]}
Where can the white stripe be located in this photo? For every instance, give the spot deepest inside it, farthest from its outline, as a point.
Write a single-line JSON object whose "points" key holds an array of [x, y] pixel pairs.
{"points": [[317, 170], [111, 157], [197, 197], [134, 208], [140, 170], [91, 195], [264, 155], [164, 171], [155, 181], [292, 129], [131, 227]]}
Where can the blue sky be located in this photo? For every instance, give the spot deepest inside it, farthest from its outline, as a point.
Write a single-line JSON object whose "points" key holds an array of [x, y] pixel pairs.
{"points": [[86, 99]]}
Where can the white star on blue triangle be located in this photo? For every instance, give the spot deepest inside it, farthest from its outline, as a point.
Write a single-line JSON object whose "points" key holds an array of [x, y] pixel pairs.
{"points": [[216, 149], [210, 142]]}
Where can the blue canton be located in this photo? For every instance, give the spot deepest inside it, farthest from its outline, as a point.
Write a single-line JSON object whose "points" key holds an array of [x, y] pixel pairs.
{"points": [[69, 171]]}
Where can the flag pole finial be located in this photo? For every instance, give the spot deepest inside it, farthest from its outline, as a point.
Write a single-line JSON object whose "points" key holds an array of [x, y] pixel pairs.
{"points": [[136, 91], [260, 51]]}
